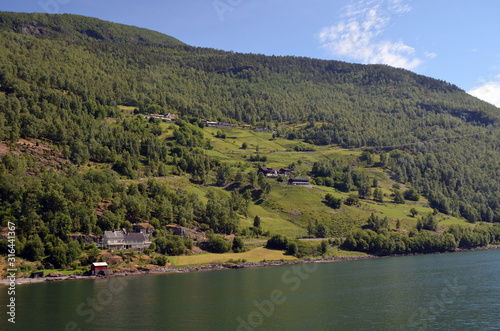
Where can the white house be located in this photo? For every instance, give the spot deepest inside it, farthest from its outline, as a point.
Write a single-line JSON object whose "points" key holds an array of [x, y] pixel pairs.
{"points": [[120, 239]]}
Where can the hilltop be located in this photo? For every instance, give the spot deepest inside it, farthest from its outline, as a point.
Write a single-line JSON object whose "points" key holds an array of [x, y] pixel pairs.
{"points": [[397, 161], [76, 28]]}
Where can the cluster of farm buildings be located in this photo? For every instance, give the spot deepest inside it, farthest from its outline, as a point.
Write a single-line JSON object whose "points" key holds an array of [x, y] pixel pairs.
{"points": [[169, 117], [286, 172]]}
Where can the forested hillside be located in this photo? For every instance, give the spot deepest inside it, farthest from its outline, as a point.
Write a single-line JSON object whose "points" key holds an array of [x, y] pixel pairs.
{"points": [[65, 80]]}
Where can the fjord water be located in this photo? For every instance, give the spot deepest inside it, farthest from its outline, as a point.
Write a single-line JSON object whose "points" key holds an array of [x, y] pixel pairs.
{"points": [[457, 291]]}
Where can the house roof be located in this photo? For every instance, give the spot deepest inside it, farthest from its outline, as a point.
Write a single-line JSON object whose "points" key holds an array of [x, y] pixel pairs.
{"points": [[266, 169], [114, 234], [99, 264], [305, 180], [135, 237]]}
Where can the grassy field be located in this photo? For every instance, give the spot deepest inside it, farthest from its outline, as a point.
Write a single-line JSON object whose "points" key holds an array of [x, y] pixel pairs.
{"points": [[300, 205], [270, 220], [65, 272], [338, 253], [254, 255], [129, 109]]}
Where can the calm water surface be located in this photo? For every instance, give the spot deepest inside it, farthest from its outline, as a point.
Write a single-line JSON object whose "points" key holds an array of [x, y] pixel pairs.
{"points": [[459, 291]]}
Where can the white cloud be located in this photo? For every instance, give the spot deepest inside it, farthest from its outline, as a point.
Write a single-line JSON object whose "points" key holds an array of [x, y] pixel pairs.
{"points": [[397, 6], [430, 55], [488, 91], [357, 34]]}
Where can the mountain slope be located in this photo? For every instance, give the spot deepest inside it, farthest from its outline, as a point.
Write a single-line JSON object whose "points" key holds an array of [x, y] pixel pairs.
{"points": [[66, 79]]}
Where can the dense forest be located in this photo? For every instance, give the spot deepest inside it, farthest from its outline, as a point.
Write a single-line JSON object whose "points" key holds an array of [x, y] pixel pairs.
{"points": [[61, 76]]}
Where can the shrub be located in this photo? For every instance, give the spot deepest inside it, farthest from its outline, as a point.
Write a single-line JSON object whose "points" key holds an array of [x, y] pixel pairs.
{"points": [[411, 194], [221, 134], [292, 249], [321, 231], [332, 201], [352, 200], [161, 260], [238, 245], [323, 247], [170, 244], [427, 222], [277, 242], [216, 244]]}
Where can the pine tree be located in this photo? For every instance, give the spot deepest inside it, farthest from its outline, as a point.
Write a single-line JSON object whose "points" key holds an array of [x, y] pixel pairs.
{"points": [[378, 195], [256, 221], [398, 197]]}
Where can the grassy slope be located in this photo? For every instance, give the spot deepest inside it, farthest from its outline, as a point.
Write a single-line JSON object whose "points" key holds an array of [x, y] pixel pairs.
{"points": [[288, 210], [297, 205]]}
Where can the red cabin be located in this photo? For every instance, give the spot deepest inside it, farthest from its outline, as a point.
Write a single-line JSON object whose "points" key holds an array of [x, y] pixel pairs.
{"points": [[96, 266]]}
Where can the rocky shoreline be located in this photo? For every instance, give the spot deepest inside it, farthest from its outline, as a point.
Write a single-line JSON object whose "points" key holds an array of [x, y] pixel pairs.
{"points": [[173, 270], [217, 266]]}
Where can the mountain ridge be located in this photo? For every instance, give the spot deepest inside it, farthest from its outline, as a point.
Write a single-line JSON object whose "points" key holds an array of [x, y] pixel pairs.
{"points": [[78, 27]]}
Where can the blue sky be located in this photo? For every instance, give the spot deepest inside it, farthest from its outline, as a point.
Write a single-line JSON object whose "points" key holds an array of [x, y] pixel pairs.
{"points": [[456, 41]]}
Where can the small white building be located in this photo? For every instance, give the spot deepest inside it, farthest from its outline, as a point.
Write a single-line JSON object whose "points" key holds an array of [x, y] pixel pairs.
{"points": [[299, 181]]}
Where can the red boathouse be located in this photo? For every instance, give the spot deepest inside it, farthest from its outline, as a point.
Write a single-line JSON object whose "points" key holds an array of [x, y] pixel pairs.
{"points": [[96, 266]]}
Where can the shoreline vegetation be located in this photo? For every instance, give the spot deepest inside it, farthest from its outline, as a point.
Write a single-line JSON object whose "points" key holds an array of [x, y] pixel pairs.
{"points": [[214, 266]]}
